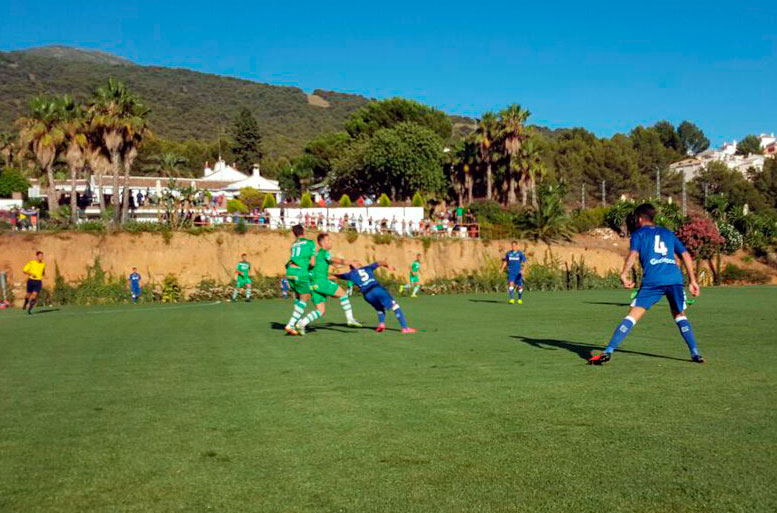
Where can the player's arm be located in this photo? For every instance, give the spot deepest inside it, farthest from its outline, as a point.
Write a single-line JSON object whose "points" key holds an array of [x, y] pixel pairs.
{"points": [[693, 286], [383, 263], [503, 267], [342, 261], [628, 265], [26, 270]]}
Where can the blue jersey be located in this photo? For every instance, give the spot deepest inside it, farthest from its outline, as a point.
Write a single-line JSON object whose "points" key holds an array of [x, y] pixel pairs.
{"points": [[134, 280], [657, 247], [514, 261], [364, 277]]}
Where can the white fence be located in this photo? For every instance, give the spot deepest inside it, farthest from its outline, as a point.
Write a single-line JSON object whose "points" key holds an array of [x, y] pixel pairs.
{"points": [[400, 220]]}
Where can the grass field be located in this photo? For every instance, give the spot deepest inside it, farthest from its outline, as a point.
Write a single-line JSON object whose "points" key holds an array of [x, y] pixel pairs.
{"points": [[208, 407]]}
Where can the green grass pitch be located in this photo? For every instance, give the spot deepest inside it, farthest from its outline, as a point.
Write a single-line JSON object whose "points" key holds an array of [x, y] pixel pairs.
{"points": [[203, 407]]}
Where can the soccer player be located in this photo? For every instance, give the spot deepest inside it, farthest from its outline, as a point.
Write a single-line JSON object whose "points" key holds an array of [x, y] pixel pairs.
{"points": [[376, 295], [242, 278], [655, 248], [35, 270], [285, 288], [298, 273], [322, 287], [415, 277], [512, 262], [134, 283]]}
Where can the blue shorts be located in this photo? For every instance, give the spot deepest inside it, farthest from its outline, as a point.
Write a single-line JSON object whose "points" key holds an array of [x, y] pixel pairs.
{"points": [[379, 298], [135, 291], [650, 295], [515, 277], [34, 286]]}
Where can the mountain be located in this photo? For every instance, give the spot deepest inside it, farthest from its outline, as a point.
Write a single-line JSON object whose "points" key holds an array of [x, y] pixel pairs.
{"points": [[184, 104]]}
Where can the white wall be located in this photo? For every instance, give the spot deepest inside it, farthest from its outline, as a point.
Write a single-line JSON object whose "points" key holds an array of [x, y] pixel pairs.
{"points": [[294, 216]]}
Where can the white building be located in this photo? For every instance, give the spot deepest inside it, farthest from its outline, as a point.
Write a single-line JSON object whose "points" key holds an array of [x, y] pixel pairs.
{"points": [[726, 154]]}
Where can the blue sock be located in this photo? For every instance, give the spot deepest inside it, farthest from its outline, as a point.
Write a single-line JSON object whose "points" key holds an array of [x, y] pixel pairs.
{"points": [[511, 290], [400, 317], [381, 317], [621, 332], [520, 293], [687, 333]]}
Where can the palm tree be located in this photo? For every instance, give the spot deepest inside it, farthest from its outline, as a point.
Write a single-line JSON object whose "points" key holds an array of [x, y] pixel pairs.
{"points": [[99, 164], [531, 170], [484, 137], [168, 164], [512, 135], [41, 133], [7, 147], [73, 124], [119, 118]]}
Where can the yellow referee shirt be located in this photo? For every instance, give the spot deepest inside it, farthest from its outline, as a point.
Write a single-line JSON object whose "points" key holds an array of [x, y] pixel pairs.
{"points": [[35, 269]]}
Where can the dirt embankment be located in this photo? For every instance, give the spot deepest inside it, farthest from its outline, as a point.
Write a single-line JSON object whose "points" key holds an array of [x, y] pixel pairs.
{"points": [[195, 257]]}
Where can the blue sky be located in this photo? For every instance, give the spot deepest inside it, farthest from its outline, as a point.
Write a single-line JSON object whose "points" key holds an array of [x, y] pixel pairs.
{"points": [[607, 67]]}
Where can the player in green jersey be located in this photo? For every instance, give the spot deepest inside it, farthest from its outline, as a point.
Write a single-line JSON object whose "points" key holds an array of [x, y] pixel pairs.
{"points": [[322, 287], [415, 277], [242, 278], [298, 273]]}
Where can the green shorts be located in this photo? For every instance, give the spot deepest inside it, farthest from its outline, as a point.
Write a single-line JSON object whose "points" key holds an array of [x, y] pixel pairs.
{"points": [[413, 279], [299, 280], [243, 282], [322, 289]]}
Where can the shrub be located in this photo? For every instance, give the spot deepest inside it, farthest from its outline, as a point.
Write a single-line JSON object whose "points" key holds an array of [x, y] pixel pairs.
{"points": [[171, 289], [668, 215], [583, 221], [618, 214], [733, 239], [306, 201], [97, 287], [734, 274], [91, 226], [241, 227], [384, 200], [487, 211], [251, 197], [383, 238], [12, 181], [351, 236], [235, 205], [269, 201], [345, 201], [548, 221], [701, 238], [418, 200], [209, 290]]}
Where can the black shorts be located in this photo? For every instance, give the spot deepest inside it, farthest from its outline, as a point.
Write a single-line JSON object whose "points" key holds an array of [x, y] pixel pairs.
{"points": [[34, 286]]}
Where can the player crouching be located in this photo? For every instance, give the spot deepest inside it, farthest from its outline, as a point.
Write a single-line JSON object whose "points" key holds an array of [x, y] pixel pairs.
{"points": [[376, 295]]}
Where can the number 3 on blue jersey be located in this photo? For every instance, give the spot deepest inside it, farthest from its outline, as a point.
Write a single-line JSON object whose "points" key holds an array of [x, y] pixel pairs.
{"points": [[659, 246]]}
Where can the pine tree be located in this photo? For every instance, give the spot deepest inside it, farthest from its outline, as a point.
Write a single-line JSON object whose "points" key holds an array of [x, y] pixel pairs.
{"points": [[247, 141]]}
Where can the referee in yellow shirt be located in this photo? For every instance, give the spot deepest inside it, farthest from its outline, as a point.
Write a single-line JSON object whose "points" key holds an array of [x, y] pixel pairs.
{"points": [[35, 269]]}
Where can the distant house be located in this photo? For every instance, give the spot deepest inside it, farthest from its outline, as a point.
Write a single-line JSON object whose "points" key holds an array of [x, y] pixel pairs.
{"points": [[726, 154]]}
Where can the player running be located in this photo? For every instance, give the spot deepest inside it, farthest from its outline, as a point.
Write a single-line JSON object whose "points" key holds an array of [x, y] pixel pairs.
{"points": [[242, 278], [376, 295], [322, 287], [134, 284], [656, 249], [512, 262], [298, 273], [415, 277], [35, 270]]}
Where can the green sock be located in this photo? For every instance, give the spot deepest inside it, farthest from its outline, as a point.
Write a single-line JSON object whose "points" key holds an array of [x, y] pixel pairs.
{"points": [[311, 317], [346, 304], [299, 309]]}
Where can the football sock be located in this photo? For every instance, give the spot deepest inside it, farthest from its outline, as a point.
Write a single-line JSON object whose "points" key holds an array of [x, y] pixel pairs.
{"points": [[520, 292], [346, 304], [248, 294], [32, 304], [311, 317], [299, 309], [621, 332], [381, 317], [511, 290], [234, 295], [687, 333], [400, 316], [26, 302], [415, 289]]}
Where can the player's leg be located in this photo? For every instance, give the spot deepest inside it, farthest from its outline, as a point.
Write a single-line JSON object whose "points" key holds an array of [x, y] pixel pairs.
{"points": [[27, 296], [374, 301], [300, 285], [319, 300], [236, 292], [519, 286], [416, 287], [388, 302], [33, 288], [511, 290], [340, 294], [676, 297], [647, 297], [248, 292]]}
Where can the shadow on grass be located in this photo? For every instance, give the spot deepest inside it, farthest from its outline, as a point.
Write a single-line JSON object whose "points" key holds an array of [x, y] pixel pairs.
{"points": [[330, 326], [584, 351], [605, 303], [45, 311], [486, 301]]}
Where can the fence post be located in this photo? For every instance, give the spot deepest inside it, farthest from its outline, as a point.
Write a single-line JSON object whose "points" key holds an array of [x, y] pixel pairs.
{"points": [[658, 183], [684, 201], [583, 195], [604, 193]]}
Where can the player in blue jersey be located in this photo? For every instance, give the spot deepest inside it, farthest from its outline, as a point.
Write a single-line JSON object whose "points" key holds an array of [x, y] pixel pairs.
{"points": [[376, 295], [655, 248], [134, 283], [512, 262]]}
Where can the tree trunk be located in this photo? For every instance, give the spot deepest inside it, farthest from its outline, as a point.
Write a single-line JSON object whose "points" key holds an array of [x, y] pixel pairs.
{"points": [[116, 170], [534, 193], [52, 197], [489, 191], [126, 196], [470, 183], [511, 191], [73, 196], [100, 197], [524, 192]]}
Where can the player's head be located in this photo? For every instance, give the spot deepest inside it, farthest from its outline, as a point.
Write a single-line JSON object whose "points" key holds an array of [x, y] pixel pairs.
{"points": [[298, 230], [134, 269], [644, 214], [243, 256], [325, 241], [418, 256], [514, 245], [39, 254]]}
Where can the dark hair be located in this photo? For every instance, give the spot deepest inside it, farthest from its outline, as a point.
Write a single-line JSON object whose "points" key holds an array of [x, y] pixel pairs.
{"points": [[513, 242], [322, 236], [244, 254], [645, 211], [38, 253], [298, 230]]}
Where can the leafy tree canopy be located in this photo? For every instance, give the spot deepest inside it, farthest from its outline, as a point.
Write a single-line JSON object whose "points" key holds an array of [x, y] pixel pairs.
{"points": [[748, 145], [247, 141], [692, 138], [388, 113]]}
